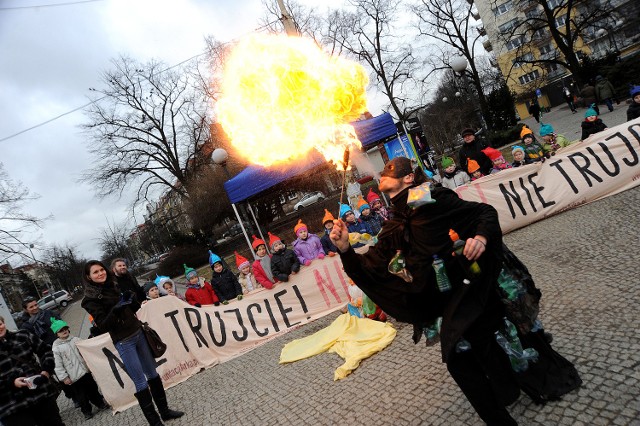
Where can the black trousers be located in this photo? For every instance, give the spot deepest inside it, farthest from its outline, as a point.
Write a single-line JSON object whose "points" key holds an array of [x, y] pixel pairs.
{"points": [[85, 391], [43, 413]]}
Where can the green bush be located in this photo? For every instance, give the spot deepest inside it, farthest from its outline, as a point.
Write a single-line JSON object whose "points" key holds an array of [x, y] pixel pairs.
{"points": [[498, 138], [193, 255]]}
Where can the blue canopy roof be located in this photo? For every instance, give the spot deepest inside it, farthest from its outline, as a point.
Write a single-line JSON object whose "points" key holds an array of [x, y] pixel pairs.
{"points": [[255, 179]]}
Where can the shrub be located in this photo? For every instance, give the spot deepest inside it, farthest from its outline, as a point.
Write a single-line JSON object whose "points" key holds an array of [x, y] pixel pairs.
{"points": [[193, 255], [498, 138]]}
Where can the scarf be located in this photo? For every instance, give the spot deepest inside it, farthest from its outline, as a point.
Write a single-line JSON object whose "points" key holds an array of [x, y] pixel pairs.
{"points": [[265, 262]]}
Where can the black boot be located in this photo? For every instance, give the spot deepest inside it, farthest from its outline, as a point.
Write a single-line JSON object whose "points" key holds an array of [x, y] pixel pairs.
{"points": [[160, 398], [146, 405]]}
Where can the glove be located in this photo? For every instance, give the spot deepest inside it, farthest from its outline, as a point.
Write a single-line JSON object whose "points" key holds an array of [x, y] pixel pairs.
{"points": [[127, 296], [332, 253], [239, 297], [197, 305], [40, 380], [321, 256], [119, 307], [216, 304], [307, 262], [226, 302]]}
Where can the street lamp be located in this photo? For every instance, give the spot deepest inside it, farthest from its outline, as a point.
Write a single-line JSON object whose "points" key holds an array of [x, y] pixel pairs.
{"points": [[459, 65], [30, 246], [220, 156]]}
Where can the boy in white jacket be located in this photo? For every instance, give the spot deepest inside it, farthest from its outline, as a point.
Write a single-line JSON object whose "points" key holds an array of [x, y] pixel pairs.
{"points": [[73, 371]]}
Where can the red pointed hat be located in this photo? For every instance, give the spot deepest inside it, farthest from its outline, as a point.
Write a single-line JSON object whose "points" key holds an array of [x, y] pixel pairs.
{"points": [[492, 153], [257, 242], [273, 239], [372, 196], [241, 261]]}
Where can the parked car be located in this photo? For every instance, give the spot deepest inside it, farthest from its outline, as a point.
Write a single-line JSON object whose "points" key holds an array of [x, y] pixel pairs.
{"points": [[233, 231], [309, 199], [59, 298]]}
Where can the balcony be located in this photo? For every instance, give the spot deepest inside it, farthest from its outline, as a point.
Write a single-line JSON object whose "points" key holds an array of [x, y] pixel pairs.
{"points": [[487, 45]]}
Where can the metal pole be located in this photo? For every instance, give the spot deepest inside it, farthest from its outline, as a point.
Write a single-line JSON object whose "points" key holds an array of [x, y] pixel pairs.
{"points": [[287, 20], [244, 231], [258, 226]]}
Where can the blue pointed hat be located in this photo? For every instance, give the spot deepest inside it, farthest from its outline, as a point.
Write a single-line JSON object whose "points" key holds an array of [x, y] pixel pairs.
{"points": [[635, 90], [344, 209], [546, 129], [214, 258]]}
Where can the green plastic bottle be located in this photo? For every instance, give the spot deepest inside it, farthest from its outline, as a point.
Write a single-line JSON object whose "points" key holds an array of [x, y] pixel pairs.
{"points": [[441, 274]]}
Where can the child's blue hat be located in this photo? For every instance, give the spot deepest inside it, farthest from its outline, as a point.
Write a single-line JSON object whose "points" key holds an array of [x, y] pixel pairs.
{"points": [[635, 90], [344, 209], [546, 129], [591, 112], [516, 148], [214, 258]]}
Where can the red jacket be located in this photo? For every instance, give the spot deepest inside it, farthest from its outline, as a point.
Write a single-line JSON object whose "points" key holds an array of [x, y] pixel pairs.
{"points": [[261, 276], [203, 295]]}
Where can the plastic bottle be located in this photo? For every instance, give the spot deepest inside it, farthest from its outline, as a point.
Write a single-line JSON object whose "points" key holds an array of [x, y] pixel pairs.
{"points": [[472, 268], [441, 274]]}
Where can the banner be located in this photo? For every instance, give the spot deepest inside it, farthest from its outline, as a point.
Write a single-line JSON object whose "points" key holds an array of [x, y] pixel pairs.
{"points": [[605, 164], [199, 338]]}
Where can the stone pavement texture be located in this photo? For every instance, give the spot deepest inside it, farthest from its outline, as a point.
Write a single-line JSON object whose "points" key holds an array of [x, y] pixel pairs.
{"points": [[584, 260]]}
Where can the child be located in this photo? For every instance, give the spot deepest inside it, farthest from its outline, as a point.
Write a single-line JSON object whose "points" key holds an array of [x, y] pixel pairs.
{"points": [[262, 264], [165, 283], [497, 159], [151, 291], [308, 246], [224, 283], [353, 224], [591, 124], [372, 222], [246, 277], [376, 205], [552, 141], [519, 158], [634, 109], [284, 261], [453, 177], [532, 149], [327, 245], [474, 169], [73, 371], [199, 292]]}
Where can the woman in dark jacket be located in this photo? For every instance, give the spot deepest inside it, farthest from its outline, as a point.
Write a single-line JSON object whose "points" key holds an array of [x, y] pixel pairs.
{"points": [[114, 313]]}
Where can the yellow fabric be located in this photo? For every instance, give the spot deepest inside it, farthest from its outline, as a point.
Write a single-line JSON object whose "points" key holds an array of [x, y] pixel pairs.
{"points": [[354, 339]]}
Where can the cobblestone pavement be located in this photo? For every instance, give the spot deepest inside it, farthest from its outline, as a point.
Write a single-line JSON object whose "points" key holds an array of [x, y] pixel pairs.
{"points": [[584, 260]]}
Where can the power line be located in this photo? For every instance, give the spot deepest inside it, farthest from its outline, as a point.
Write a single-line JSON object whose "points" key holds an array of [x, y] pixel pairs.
{"points": [[49, 5], [101, 98]]}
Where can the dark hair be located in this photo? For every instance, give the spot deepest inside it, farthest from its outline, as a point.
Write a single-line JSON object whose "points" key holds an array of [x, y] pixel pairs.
{"points": [[27, 300], [419, 176], [87, 269]]}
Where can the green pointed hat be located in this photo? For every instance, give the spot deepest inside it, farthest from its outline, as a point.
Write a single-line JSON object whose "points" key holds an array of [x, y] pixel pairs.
{"points": [[57, 325], [189, 272]]}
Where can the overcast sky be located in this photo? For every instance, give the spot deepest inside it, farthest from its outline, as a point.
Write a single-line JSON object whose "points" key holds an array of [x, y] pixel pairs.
{"points": [[51, 56]]}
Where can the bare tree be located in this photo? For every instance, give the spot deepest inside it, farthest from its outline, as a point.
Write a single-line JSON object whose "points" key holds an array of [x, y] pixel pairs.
{"points": [[450, 23], [14, 222], [146, 130], [64, 266], [113, 240]]}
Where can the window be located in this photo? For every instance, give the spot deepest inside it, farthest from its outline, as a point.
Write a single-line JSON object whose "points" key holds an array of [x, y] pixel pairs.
{"points": [[560, 21], [539, 34], [529, 77], [546, 49], [515, 43], [517, 62], [508, 26], [552, 4], [503, 8]]}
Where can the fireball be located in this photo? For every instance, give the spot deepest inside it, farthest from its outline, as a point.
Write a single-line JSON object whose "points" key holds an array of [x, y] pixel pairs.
{"points": [[283, 96]]}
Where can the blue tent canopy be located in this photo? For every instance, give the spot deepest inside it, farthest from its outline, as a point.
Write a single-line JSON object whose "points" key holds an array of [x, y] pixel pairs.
{"points": [[255, 179]]}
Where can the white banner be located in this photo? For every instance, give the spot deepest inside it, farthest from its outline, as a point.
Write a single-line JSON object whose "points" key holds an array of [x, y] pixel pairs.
{"points": [[199, 338], [605, 164]]}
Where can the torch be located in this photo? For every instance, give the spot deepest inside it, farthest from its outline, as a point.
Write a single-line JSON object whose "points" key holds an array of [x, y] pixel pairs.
{"points": [[345, 164]]}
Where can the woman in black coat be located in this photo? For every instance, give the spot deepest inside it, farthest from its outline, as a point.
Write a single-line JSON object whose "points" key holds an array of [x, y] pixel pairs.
{"points": [[115, 313]]}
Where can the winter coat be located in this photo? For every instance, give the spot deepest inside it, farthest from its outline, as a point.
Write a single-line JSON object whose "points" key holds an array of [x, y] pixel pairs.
{"points": [[283, 263], [201, 294], [18, 352], [458, 178], [308, 249], [634, 111], [604, 90], [128, 282], [327, 244], [358, 227], [99, 301], [473, 150], [420, 234], [534, 151], [226, 285], [69, 362], [40, 325], [557, 143], [373, 222], [588, 94], [591, 128], [521, 163], [261, 276], [248, 282]]}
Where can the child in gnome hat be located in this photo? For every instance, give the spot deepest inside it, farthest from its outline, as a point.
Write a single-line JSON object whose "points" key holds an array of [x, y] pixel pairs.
{"points": [[151, 290], [552, 141], [262, 264], [284, 261], [353, 224], [591, 124], [371, 221], [376, 205], [634, 109], [453, 177], [496, 157], [199, 292], [72, 370], [246, 277], [474, 170], [532, 149], [307, 246], [165, 283], [327, 245], [224, 282], [519, 158]]}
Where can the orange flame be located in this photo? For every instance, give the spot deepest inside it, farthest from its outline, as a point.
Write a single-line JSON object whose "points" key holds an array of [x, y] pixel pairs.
{"points": [[283, 96]]}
